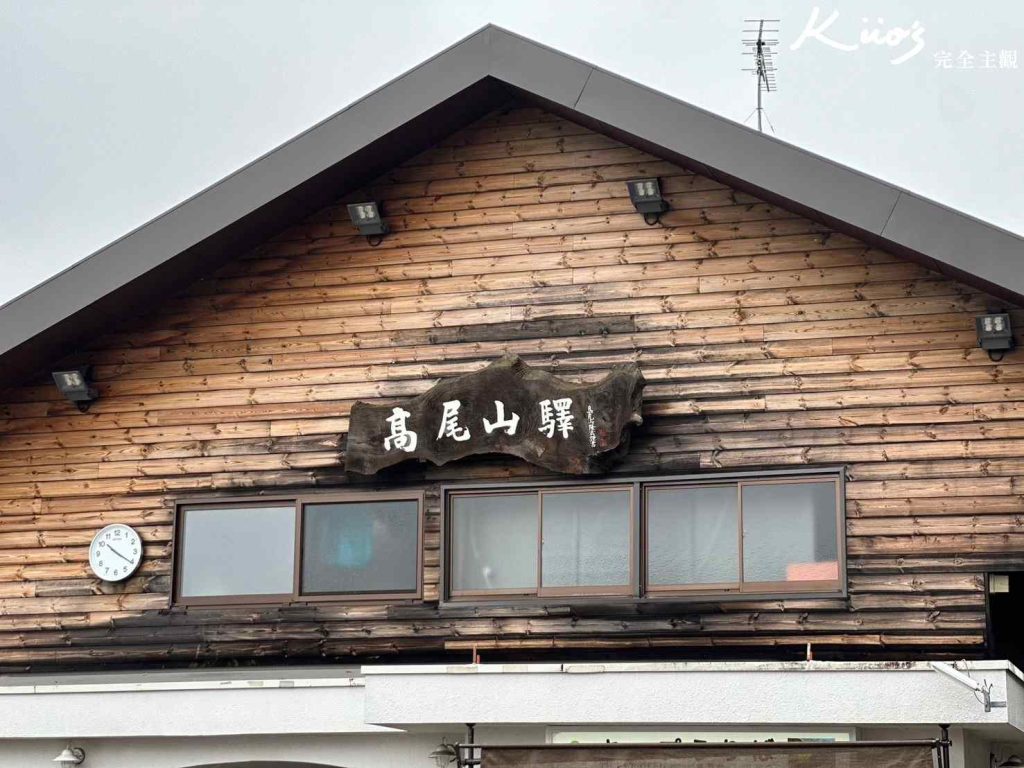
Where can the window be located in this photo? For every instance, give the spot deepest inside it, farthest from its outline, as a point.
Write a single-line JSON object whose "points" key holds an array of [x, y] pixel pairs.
{"points": [[296, 550], [748, 536], [586, 542], [243, 550], [360, 547], [494, 543], [692, 537], [789, 533], [647, 538], [550, 542]]}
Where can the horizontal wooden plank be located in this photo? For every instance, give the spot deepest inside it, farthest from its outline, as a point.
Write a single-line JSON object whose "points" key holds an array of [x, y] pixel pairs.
{"points": [[767, 341], [669, 364]]}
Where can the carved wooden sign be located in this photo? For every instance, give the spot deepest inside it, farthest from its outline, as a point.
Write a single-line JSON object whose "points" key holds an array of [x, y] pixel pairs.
{"points": [[509, 408]]}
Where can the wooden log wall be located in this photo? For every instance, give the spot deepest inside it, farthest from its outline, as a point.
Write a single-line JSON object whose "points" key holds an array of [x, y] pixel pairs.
{"points": [[768, 340]]}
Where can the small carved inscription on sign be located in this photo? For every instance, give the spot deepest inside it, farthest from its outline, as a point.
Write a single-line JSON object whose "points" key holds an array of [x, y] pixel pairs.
{"points": [[508, 407]]}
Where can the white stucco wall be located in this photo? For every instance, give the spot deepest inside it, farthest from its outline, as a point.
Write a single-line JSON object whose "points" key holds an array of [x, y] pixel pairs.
{"points": [[384, 750], [688, 692], [201, 708], [394, 750], [378, 751], [395, 716]]}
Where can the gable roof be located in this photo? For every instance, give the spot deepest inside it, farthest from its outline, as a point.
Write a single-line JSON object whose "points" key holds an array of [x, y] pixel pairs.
{"points": [[442, 94]]}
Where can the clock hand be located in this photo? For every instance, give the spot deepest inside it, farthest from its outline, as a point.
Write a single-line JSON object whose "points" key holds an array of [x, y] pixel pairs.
{"points": [[118, 554]]}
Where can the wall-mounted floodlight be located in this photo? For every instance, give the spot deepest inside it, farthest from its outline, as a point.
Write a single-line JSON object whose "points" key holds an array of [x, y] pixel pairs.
{"points": [[368, 220], [995, 335], [646, 197], [74, 385]]}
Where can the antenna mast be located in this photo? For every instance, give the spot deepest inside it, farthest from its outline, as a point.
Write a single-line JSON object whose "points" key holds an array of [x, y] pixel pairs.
{"points": [[764, 64]]}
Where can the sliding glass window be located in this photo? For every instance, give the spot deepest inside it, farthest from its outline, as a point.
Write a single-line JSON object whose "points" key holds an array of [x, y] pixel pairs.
{"points": [[365, 547], [360, 547], [693, 538], [586, 542], [245, 551], [541, 542], [647, 538], [494, 544], [748, 536]]}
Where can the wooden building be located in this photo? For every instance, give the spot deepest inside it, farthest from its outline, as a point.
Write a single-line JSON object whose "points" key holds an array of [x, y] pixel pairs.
{"points": [[829, 464]]}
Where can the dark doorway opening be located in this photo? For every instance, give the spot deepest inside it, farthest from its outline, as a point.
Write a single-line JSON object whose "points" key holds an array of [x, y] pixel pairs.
{"points": [[1006, 619]]}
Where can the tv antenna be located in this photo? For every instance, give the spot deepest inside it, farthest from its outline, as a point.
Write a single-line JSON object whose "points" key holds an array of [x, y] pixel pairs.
{"points": [[764, 63]]}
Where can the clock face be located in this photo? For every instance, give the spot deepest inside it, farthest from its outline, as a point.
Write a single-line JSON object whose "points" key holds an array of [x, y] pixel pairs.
{"points": [[115, 552]]}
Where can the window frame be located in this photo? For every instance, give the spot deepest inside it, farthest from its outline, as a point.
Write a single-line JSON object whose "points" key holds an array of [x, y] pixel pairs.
{"points": [[742, 586], [539, 591], [463, 595], [361, 597], [674, 589], [640, 590], [181, 510], [295, 596], [608, 590]]}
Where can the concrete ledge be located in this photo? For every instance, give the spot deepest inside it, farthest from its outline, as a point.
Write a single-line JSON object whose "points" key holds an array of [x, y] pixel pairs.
{"points": [[695, 693], [158, 704]]}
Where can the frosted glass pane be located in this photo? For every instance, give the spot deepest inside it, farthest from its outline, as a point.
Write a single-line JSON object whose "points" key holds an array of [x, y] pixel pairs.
{"points": [[693, 536], [360, 547], [238, 551], [494, 542], [586, 539], [789, 532]]}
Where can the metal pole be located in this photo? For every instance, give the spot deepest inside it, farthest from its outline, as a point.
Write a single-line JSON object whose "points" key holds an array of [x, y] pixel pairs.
{"points": [[944, 746], [471, 758], [760, 70], [759, 105]]}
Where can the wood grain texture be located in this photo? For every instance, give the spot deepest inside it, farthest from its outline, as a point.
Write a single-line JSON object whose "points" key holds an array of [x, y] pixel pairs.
{"points": [[767, 341]]}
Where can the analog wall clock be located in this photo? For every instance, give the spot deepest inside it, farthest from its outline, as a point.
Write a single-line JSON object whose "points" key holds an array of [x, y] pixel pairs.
{"points": [[115, 552]]}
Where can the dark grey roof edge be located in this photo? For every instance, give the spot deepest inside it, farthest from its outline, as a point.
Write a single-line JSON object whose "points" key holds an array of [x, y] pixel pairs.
{"points": [[233, 175], [897, 218], [236, 172], [884, 213], [746, 129]]}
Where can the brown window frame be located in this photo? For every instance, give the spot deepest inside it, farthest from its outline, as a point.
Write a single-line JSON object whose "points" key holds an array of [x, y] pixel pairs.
{"points": [[469, 594], [639, 589], [660, 590], [610, 590], [742, 586], [296, 596], [319, 597]]}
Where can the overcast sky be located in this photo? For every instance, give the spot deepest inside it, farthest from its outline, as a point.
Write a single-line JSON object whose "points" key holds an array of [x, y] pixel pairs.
{"points": [[112, 112]]}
